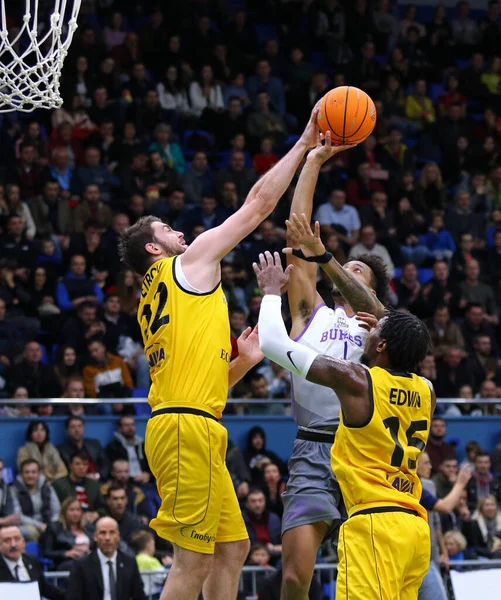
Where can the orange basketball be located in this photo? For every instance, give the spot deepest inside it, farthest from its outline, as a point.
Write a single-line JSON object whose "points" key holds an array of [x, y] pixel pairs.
{"points": [[348, 113]]}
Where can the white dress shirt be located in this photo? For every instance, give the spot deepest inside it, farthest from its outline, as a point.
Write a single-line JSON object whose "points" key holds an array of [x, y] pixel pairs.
{"points": [[105, 571], [22, 571]]}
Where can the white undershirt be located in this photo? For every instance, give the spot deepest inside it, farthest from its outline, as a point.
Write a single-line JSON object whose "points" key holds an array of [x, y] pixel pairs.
{"points": [[22, 572], [181, 278], [105, 571]]}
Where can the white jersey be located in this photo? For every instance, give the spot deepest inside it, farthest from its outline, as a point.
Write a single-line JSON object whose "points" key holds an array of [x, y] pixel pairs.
{"points": [[331, 332]]}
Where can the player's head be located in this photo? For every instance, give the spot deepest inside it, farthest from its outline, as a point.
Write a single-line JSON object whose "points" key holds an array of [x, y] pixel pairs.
{"points": [[371, 271], [400, 341], [147, 241]]}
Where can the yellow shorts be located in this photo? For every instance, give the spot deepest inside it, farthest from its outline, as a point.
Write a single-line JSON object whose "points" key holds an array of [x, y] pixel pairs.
{"points": [[382, 556], [187, 455]]}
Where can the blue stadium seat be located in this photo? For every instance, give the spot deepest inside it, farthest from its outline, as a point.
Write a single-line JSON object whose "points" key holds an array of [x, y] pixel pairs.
{"points": [[139, 392], [45, 355], [265, 31], [398, 273], [317, 59], [32, 548], [436, 90], [410, 142], [424, 275], [382, 59], [142, 409]]}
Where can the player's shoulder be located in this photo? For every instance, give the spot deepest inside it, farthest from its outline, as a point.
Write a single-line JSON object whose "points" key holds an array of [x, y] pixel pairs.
{"points": [[428, 383]]}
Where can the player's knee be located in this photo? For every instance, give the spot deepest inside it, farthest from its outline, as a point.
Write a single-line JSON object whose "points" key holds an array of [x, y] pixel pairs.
{"points": [[297, 578]]}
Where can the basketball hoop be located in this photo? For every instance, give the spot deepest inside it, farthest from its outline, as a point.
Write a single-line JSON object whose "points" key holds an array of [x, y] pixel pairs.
{"points": [[30, 68]]}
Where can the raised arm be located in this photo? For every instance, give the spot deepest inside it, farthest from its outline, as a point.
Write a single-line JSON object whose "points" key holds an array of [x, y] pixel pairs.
{"points": [[201, 260], [360, 297], [302, 291], [348, 379]]}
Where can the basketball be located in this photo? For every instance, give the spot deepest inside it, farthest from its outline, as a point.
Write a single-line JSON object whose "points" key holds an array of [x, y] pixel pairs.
{"points": [[348, 113]]}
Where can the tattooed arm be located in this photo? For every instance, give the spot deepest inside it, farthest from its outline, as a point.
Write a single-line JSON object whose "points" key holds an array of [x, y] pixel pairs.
{"points": [[360, 297]]}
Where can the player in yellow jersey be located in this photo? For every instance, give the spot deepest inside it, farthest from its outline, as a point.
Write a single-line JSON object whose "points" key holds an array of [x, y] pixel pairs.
{"points": [[384, 546], [184, 321]]}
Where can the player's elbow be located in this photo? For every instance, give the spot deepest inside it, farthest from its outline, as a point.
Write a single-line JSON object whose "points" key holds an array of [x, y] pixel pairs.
{"points": [[263, 204]]}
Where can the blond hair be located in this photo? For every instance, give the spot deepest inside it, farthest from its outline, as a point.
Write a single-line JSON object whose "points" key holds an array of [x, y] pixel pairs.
{"points": [[458, 537]]}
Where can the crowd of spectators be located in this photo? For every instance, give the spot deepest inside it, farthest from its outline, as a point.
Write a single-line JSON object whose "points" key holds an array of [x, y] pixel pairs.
{"points": [[184, 133], [176, 110]]}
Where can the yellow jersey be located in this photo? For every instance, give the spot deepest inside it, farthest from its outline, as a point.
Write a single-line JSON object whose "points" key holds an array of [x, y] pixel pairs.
{"points": [[375, 464], [187, 342]]}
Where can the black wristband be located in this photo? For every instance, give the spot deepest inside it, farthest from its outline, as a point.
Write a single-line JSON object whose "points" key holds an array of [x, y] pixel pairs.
{"points": [[323, 258]]}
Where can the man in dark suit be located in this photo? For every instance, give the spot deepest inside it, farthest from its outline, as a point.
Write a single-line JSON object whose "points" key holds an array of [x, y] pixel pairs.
{"points": [[15, 565], [105, 573]]}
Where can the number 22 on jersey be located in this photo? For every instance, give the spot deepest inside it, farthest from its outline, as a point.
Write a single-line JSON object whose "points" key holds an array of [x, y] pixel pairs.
{"points": [[154, 317]]}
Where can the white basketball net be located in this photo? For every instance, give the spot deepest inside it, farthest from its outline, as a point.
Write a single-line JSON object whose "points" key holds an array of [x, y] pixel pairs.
{"points": [[30, 79]]}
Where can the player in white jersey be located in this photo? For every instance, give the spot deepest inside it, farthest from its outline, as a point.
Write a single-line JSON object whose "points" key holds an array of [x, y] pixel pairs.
{"points": [[312, 498]]}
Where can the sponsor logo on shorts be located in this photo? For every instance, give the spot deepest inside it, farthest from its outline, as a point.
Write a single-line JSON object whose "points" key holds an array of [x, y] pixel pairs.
{"points": [[188, 532]]}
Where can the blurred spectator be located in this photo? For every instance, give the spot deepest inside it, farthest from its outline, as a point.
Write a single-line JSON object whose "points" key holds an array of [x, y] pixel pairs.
{"points": [[430, 192], [84, 582], [39, 448], [436, 447], [8, 514], [76, 288], [257, 456], [341, 217], [483, 364], [262, 526], [93, 172], [143, 544], [408, 286], [137, 504], [483, 483], [444, 332], [486, 528], [479, 293], [74, 388], [37, 502], [441, 290], [274, 487], [98, 467], [464, 254], [198, 180], [263, 81], [359, 190], [446, 477], [17, 566], [68, 538], [419, 107], [107, 375], [474, 325], [264, 121], [236, 173], [116, 508], [438, 240], [91, 208], [170, 151], [368, 245], [129, 446], [451, 373], [239, 471], [66, 365], [77, 484], [78, 330]]}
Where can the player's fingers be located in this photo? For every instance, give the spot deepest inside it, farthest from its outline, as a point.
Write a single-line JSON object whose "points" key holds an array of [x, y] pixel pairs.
{"points": [[305, 223], [269, 258], [287, 250], [346, 147], [317, 229], [298, 224], [288, 271], [328, 139], [257, 270], [256, 329], [262, 261], [278, 262], [245, 334]]}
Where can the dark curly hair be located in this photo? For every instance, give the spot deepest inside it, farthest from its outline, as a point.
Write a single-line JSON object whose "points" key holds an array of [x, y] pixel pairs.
{"points": [[407, 338], [380, 279]]}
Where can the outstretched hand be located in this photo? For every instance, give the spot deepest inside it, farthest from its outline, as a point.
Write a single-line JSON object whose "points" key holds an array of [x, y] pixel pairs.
{"points": [[271, 277], [300, 233], [324, 151], [311, 132], [366, 320], [248, 346]]}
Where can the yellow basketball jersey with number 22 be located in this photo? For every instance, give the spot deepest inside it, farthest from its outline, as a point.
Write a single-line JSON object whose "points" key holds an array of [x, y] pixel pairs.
{"points": [[187, 341]]}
